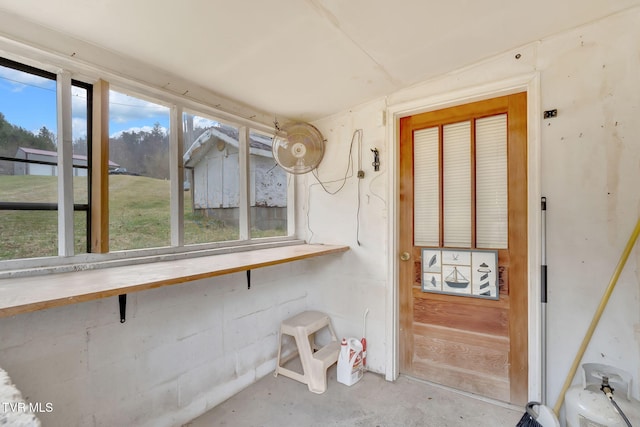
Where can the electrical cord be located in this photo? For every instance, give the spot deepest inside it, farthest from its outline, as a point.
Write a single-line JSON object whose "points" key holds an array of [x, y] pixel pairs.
{"points": [[347, 174]]}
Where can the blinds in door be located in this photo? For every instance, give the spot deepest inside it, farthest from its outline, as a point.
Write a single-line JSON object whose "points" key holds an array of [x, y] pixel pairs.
{"points": [[426, 179], [457, 184], [491, 182], [449, 187]]}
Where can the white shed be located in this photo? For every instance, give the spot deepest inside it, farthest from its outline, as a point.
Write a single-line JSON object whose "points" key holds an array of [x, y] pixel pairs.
{"points": [[212, 161]]}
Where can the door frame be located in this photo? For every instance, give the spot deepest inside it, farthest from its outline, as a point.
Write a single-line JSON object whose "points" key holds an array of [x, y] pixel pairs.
{"points": [[529, 83]]}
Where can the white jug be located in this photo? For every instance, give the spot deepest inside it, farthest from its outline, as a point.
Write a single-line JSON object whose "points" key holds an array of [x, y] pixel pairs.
{"points": [[350, 367]]}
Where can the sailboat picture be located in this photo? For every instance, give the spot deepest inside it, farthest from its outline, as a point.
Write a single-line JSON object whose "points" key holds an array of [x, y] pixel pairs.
{"points": [[460, 272], [456, 279]]}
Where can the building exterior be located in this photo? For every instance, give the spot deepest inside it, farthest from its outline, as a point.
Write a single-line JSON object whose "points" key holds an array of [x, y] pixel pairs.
{"points": [[213, 175], [44, 163]]}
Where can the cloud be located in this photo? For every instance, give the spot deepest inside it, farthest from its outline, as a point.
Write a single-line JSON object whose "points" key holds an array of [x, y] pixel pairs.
{"points": [[137, 130], [79, 103], [19, 80], [203, 122], [79, 128], [124, 108]]}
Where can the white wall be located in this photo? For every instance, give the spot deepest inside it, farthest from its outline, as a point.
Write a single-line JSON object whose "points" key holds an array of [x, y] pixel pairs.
{"points": [[185, 348], [590, 174], [360, 282], [586, 162]]}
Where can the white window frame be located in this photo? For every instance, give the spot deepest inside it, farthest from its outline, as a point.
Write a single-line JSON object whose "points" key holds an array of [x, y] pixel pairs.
{"points": [[67, 69]]}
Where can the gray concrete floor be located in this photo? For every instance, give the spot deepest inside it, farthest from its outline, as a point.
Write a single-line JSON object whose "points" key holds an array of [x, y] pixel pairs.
{"points": [[372, 401]]}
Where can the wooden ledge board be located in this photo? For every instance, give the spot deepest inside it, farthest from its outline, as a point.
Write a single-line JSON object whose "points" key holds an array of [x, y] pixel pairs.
{"points": [[26, 294]]}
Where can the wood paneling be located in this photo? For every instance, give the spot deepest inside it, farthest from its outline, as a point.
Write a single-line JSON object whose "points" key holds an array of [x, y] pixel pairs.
{"points": [[472, 344], [469, 380], [518, 246], [444, 355], [450, 312], [461, 349], [100, 168], [405, 244], [25, 294]]}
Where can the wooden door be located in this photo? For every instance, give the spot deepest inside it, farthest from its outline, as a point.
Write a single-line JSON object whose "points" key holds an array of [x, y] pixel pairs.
{"points": [[478, 345]]}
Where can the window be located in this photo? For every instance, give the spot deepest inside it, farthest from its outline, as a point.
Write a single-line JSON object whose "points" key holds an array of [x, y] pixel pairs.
{"points": [[29, 158], [212, 181], [213, 201], [207, 181], [139, 192], [269, 189]]}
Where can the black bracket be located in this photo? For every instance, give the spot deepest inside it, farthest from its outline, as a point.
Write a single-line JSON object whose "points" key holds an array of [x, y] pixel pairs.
{"points": [[549, 114], [122, 300], [376, 159], [248, 279]]}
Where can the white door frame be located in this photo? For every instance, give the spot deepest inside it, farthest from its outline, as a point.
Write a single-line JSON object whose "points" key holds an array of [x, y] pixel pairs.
{"points": [[531, 84]]}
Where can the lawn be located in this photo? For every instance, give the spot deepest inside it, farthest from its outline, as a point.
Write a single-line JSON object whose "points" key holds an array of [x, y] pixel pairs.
{"points": [[138, 218]]}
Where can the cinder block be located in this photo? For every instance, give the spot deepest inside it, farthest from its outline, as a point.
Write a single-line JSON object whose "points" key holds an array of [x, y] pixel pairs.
{"points": [[257, 353], [153, 407], [47, 359], [200, 381]]}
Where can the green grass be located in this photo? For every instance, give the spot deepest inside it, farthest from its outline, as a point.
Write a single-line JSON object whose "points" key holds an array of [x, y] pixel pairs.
{"points": [[139, 217]]}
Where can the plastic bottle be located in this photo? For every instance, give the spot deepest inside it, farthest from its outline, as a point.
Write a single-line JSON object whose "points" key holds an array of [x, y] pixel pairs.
{"points": [[350, 368]]}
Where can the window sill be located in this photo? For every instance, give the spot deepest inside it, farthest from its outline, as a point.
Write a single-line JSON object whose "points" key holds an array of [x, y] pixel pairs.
{"points": [[26, 294]]}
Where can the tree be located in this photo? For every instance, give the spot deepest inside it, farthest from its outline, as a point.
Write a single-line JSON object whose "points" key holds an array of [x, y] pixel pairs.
{"points": [[80, 146], [47, 139], [12, 137], [144, 152]]}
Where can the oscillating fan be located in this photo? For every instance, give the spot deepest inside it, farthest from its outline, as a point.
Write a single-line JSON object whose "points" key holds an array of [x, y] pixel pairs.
{"points": [[298, 147]]}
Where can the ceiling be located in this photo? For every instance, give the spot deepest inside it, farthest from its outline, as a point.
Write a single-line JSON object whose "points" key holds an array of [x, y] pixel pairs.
{"points": [[307, 59]]}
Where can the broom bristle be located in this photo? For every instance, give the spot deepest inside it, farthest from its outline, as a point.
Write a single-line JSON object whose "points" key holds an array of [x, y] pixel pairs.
{"points": [[528, 421]]}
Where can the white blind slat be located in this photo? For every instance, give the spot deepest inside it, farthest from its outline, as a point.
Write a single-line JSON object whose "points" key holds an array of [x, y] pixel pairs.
{"points": [[457, 184], [491, 182], [426, 187]]}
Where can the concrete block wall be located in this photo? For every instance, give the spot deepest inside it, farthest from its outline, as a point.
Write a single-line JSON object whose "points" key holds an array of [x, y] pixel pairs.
{"points": [[182, 350]]}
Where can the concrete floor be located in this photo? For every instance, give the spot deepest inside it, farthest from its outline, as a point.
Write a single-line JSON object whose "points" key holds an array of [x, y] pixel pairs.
{"points": [[371, 402]]}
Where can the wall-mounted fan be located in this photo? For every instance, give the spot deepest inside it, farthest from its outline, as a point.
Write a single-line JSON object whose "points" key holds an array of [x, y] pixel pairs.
{"points": [[298, 147]]}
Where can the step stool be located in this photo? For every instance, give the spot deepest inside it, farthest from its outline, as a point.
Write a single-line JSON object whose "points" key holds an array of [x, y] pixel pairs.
{"points": [[315, 360]]}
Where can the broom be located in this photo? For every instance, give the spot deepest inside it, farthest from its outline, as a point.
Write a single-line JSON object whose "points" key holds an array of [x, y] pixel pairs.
{"points": [[543, 418]]}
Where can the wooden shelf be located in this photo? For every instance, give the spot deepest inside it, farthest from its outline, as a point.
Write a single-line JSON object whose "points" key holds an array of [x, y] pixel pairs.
{"points": [[26, 294]]}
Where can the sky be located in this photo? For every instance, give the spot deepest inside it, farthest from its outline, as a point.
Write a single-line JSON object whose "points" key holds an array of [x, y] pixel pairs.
{"points": [[29, 101]]}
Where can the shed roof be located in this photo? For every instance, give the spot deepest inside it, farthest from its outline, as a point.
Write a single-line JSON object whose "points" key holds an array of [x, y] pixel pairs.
{"points": [[259, 144], [54, 154]]}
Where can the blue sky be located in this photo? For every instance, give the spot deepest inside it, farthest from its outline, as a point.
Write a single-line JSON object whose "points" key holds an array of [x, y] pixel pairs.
{"points": [[29, 101]]}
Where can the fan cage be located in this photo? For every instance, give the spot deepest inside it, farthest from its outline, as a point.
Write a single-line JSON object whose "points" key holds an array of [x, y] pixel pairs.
{"points": [[298, 148]]}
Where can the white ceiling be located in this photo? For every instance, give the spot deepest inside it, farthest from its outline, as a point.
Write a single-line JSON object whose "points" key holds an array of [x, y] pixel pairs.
{"points": [[307, 59]]}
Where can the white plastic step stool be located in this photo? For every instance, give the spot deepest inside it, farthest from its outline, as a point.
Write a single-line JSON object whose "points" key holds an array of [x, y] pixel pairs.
{"points": [[315, 361]]}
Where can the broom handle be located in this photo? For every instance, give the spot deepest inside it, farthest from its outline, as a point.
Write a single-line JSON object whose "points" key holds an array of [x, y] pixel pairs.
{"points": [[596, 316]]}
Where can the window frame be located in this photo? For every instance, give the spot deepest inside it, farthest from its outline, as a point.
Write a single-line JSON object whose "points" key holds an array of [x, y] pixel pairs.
{"points": [[65, 200], [87, 76]]}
